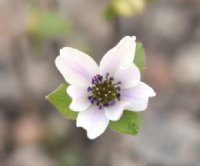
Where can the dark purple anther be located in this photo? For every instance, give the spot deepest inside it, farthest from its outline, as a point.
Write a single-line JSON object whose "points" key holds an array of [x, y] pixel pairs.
{"points": [[111, 102], [89, 89], [118, 96], [96, 79], [97, 102], [99, 77], [118, 88], [93, 81], [91, 99], [111, 79], [107, 76], [105, 104]]}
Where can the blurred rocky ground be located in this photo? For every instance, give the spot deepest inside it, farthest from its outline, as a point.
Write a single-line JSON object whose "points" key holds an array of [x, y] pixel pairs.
{"points": [[33, 133]]}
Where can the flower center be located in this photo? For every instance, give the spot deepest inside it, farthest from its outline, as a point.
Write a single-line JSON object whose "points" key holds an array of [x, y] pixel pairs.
{"points": [[104, 92]]}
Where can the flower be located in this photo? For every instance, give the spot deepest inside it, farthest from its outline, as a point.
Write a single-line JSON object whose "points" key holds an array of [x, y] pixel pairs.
{"points": [[101, 93]]}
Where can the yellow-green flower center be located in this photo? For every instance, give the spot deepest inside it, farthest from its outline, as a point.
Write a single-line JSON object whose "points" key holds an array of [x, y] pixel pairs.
{"points": [[104, 92]]}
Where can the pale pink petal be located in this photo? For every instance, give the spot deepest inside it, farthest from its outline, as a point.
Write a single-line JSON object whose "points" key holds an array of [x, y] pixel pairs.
{"points": [[115, 111], [137, 97], [129, 76], [79, 98], [76, 66], [93, 120], [121, 55]]}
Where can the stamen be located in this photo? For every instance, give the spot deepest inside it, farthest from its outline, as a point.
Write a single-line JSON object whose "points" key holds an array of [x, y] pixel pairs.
{"points": [[89, 89], [111, 79], [118, 88], [104, 92]]}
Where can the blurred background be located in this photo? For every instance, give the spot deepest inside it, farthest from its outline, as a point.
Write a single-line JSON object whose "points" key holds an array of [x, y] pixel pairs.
{"points": [[33, 133]]}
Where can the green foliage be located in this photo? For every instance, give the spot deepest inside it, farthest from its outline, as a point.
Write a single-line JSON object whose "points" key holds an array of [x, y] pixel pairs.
{"points": [[61, 101], [47, 24], [139, 59], [109, 13], [129, 123]]}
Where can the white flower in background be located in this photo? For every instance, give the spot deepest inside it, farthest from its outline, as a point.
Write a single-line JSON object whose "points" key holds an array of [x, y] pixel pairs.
{"points": [[101, 93]]}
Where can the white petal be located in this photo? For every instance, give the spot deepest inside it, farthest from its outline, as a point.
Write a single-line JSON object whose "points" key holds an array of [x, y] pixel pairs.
{"points": [[79, 97], [141, 90], [137, 104], [76, 66], [137, 97], [129, 76], [93, 121], [115, 111], [121, 55]]}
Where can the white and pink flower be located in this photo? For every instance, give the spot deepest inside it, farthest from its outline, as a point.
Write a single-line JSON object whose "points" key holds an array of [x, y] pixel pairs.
{"points": [[101, 93]]}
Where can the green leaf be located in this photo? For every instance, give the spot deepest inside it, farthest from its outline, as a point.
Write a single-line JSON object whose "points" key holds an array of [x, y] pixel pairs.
{"points": [[48, 24], [109, 13], [139, 59], [129, 123], [61, 101]]}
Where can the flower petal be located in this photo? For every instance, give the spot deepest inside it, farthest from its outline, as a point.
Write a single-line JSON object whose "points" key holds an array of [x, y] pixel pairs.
{"points": [[79, 97], [129, 76], [115, 111], [137, 97], [141, 90], [121, 55], [93, 121], [137, 104], [76, 66]]}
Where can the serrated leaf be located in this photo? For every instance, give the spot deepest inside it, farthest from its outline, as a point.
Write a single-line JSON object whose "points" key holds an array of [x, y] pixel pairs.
{"points": [[139, 59], [61, 101], [129, 123]]}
